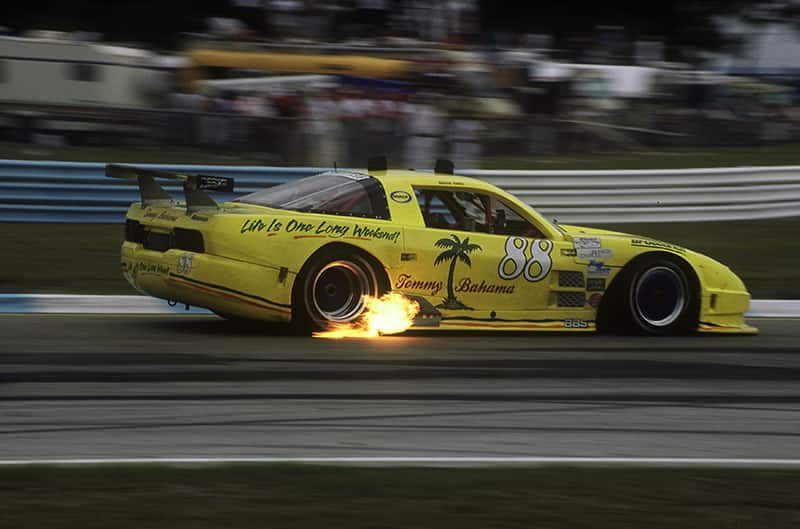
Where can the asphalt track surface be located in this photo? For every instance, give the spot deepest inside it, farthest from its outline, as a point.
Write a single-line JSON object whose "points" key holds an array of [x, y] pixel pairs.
{"points": [[86, 386]]}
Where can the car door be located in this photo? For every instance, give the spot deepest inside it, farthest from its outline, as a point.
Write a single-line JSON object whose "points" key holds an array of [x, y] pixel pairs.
{"points": [[476, 255]]}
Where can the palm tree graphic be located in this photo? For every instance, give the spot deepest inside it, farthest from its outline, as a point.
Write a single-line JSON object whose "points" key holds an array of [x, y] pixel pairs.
{"points": [[456, 250]]}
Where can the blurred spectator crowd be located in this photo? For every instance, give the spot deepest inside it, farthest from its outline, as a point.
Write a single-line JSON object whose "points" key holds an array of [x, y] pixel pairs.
{"points": [[459, 99], [326, 125]]}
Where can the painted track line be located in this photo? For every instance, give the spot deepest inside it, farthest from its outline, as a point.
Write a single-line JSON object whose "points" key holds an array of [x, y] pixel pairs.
{"points": [[133, 304], [425, 461]]}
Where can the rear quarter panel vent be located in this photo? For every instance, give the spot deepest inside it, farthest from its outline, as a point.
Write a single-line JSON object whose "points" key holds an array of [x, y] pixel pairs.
{"points": [[134, 231], [157, 241], [189, 240]]}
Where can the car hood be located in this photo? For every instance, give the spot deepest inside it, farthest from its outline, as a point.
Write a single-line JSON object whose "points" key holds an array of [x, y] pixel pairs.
{"points": [[578, 231], [713, 272], [641, 241]]}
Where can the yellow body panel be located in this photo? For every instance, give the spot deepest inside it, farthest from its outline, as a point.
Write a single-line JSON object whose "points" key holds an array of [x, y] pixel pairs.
{"points": [[253, 255]]}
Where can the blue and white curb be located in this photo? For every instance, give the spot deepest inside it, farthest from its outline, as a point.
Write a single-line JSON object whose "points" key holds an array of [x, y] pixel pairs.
{"points": [[97, 304], [774, 308], [90, 304]]}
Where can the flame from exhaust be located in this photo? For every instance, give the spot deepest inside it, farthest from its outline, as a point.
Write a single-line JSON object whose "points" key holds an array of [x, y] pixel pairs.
{"points": [[390, 314]]}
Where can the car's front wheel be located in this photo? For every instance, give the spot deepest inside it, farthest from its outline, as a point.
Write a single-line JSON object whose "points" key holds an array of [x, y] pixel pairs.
{"points": [[331, 288], [661, 299]]}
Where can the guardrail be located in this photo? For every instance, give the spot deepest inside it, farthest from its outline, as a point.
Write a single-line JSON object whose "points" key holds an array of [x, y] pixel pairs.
{"points": [[79, 192]]}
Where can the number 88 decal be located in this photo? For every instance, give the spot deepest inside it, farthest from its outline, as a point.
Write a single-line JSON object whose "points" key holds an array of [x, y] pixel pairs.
{"points": [[516, 261]]}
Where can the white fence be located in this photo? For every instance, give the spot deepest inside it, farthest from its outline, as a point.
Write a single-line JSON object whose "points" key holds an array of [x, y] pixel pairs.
{"points": [[672, 195], [79, 192]]}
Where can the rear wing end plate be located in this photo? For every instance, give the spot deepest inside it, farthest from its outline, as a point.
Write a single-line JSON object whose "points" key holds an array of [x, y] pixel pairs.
{"points": [[195, 187]]}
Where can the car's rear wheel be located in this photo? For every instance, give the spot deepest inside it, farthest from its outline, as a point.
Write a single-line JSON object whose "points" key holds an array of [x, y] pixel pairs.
{"points": [[661, 299], [331, 288]]}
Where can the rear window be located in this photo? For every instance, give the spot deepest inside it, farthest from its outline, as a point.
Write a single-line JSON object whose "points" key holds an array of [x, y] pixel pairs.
{"points": [[333, 193]]}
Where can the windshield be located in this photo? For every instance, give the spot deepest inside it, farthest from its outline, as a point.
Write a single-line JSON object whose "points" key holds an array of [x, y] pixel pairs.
{"points": [[334, 193]]}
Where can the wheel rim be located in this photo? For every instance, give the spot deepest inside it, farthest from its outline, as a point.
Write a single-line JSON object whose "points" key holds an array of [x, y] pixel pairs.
{"points": [[660, 296], [338, 290]]}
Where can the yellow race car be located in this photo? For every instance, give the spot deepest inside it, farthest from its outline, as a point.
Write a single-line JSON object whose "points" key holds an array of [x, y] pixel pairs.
{"points": [[471, 255]]}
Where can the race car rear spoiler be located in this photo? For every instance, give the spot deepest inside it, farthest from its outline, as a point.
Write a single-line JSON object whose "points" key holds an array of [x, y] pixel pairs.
{"points": [[194, 186]]}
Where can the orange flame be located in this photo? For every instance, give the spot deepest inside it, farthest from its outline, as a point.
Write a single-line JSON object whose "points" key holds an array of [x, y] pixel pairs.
{"points": [[390, 314]]}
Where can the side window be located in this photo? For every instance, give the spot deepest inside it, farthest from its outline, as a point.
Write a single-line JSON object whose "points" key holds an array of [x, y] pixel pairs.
{"points": [[470, 211], [434, 210], [454, 210], [509, 222]]}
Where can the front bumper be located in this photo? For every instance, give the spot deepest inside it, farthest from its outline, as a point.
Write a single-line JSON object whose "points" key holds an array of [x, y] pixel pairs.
{"points": [[722, 311]]}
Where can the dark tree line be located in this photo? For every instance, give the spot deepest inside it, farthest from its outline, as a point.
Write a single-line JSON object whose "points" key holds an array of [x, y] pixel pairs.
{"points": [[680, 24], [151, 22]]}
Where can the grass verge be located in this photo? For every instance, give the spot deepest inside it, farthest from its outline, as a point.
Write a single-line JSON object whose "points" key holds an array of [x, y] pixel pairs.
{"points": [[84, 258], [672, 158], [297, 496], [684, 158], [62, 258], [762, 252], [126, 154]]}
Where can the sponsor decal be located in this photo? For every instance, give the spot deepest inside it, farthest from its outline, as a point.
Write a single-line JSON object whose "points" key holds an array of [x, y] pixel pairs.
{"points": [[184, 263], [516, 261], [576, 324], [595, 284], [593, 253], [257, 225], [215, 183], [375, 233], [151, 268], [594, 300], [295, 226], [324, 229], [332, 230], [455, 250], [166, 216], [597, 268], [586, 243], [199, 218], [401, 197], [468, 285], [409, 282], [649, 243]]}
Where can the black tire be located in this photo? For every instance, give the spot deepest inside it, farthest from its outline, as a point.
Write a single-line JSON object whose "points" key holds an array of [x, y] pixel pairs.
{"points": [[660, 297], [331, 285]]}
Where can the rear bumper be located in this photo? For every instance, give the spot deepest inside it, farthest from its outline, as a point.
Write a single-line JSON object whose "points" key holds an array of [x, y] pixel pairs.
{"points": [[225, 286]]}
